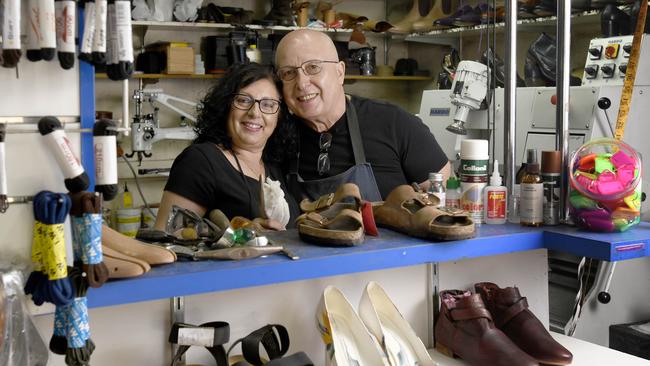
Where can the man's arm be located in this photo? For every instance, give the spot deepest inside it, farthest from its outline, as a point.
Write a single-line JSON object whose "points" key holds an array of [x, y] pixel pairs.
{"points": [[446, 172]]}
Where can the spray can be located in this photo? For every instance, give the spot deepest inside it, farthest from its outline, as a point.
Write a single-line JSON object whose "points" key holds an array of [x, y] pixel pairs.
{"points": [[473, 177], [551, 170]]}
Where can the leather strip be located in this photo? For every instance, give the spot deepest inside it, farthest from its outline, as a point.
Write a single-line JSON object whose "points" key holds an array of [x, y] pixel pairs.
{"points": [[221, 337], [345, 190], [470, 313], [296, 359], [511, 312], [275, 347]]}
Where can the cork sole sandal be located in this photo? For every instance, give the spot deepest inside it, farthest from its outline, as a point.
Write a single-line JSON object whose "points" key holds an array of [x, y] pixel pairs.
{"points": [[333, 219], [411, 213]]}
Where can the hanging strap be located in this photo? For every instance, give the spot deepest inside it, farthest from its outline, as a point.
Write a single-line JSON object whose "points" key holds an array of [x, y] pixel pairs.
{"points": [[355, 132], [212, 336]]}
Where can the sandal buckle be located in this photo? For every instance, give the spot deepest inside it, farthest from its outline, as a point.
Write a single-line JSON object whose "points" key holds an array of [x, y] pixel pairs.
{"points": [[325, 201]]}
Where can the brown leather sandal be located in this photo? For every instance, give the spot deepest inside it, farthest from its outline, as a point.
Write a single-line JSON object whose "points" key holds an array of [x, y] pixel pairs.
{"points": [[333, 219], [412, 213]]}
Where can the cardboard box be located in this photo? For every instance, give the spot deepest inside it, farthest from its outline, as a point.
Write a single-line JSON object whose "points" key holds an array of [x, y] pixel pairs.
{"points": [[180, 56]]}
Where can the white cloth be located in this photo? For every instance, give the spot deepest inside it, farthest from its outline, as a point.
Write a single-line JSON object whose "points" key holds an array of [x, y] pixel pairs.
{"points": [[276, 206]]}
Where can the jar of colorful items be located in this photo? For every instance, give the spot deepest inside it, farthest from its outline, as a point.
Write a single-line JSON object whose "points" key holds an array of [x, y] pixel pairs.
{"points": [[606, 186]]}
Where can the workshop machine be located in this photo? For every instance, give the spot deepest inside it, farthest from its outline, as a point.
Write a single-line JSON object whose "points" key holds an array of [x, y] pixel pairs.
{"points": [[593, 109]]}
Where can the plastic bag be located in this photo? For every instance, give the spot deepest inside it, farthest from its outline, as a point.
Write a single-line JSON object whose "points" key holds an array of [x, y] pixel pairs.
{"points": [[186, 10], [141, 10], [23, 344]]}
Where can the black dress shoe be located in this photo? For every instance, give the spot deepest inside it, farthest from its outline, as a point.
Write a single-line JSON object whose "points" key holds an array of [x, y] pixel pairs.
{"points": [[546, 8], [634, 13], [496, 64], [599, 4], [533, 74], [614, 22], [582, 5], [543, 50]]}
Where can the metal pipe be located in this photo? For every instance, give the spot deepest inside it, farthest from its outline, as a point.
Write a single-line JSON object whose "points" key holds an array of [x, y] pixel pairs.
{"points": [[125, 106], [562, 107], [510, 97]]}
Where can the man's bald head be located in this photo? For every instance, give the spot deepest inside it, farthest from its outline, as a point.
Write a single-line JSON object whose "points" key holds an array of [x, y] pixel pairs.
{"points": [[299, 40]]}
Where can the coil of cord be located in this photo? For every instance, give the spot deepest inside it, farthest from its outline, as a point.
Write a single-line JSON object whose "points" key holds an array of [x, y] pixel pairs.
{"points": [[86, 43], [47, 26], [105, 147], [33, 32], [66, 26], [11, 33], [86, 220], [76, 179], [49, 283], [99, 36], [71, 335]]}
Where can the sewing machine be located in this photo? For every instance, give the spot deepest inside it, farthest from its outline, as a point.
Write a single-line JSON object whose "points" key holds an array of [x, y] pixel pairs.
{"points": [[145, 128]]}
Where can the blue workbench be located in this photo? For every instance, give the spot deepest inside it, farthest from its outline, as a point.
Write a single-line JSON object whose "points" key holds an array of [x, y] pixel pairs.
{"points": [[389, 250]]}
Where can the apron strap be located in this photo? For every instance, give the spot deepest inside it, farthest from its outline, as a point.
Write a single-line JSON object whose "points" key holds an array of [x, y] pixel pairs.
{"points": [[355, 132]]}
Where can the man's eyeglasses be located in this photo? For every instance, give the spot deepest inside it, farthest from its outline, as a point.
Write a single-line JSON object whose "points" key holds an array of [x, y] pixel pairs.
{"points": [[311, 67], [324, 143], [246, 102]]}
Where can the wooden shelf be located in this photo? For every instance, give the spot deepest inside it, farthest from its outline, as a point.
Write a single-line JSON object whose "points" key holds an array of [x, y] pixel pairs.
{"points": [[217, 76]]}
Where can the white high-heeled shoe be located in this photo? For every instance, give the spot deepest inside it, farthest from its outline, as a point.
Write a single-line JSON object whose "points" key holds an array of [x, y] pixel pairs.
{"points": [[347, 340], [397, 338]]}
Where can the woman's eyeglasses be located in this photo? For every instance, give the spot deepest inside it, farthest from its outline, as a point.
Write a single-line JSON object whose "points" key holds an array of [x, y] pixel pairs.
{"points": [[324, 143], [246, 102], [311, 67]]}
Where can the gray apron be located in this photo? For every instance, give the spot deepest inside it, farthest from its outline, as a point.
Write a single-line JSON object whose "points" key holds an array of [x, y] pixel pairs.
{"points": [[361, 173]]}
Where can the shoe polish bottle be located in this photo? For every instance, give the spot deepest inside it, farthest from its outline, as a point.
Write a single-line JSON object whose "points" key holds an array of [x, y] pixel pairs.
{"points": [[495, 198], [452, 196], [515, 196], [532, 193], [473, 177], [437, 187], [551, 170]]}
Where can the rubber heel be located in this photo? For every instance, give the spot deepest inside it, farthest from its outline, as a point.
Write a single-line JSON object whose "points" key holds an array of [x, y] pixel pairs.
{"points": [[444, 350]]}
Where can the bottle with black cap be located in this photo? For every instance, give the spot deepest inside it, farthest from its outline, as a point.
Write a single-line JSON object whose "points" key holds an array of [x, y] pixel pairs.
{"points": [[532, 193]]}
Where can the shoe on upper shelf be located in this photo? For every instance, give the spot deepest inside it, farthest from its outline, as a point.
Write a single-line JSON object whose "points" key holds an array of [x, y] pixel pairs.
{"points": [[440, 9], [545, 8], [496, 64], [512, 316]]}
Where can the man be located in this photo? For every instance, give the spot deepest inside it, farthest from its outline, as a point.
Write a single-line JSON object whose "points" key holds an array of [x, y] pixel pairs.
{"points": [[339, 135]]}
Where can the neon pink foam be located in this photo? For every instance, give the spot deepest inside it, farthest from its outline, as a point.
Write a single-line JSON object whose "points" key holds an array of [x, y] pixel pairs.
{"points": [[620, 158], [610, 188]]}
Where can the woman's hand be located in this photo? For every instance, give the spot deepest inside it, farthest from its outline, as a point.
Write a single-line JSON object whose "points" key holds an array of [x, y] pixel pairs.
{"points": [[269, 224]]}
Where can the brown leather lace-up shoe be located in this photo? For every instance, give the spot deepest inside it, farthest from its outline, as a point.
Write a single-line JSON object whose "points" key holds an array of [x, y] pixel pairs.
{"points": [[464, 328], [510, 313]]}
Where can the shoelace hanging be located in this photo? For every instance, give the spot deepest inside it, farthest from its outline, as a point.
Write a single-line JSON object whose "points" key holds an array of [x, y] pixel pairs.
{"points": [[33, 30], [71, 334], [47, 27], [66, 29], [49, 282], [86, 219], [76, 179], [11, 33], [86, 47], [119, 53]]}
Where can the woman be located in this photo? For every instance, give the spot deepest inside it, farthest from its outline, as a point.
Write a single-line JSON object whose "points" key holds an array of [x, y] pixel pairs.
{"points": [[240, 129]]}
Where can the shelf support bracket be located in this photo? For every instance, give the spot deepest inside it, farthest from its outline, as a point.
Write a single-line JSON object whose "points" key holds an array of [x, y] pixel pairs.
{"points": [[510, 97], [433, 301], [177, 307]]}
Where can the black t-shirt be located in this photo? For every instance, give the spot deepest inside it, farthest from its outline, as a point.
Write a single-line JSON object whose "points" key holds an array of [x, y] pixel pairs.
{"points": [[398, 145], [203, 174]]}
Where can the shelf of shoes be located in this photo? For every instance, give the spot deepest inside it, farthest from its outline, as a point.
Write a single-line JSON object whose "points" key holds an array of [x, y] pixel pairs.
{"points": [[584, 354], [389, 250], [451, 36], [217, 76]]}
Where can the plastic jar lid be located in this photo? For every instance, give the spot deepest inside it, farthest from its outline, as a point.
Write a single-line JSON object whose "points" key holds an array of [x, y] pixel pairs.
{"points": [[474, 149]]}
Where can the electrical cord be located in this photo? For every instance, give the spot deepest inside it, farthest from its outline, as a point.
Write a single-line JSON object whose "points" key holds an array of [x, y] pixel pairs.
{"points": [[137, 185]]}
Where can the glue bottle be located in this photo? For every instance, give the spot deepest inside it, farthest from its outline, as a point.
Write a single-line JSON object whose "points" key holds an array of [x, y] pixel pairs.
{"points": [[495, 198]]}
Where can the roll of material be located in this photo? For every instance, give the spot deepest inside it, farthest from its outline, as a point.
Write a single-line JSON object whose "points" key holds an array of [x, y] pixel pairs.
{"points": [[76, 179], [33, 32], [105, 148], [99, 36]]}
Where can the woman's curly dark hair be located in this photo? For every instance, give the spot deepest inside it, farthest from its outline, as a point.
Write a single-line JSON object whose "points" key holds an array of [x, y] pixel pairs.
{"points": [[212, 119]]}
